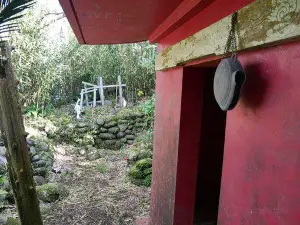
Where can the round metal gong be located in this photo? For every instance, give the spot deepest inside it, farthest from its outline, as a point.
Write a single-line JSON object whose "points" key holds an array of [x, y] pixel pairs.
{"points": [[228, 82]]}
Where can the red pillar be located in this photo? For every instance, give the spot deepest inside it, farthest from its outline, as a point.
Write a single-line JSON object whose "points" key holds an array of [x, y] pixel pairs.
{"points": [[176, 146]]}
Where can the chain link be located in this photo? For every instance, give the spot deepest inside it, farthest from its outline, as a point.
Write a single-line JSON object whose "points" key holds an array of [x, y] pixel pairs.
{"points": [[231, 41]]}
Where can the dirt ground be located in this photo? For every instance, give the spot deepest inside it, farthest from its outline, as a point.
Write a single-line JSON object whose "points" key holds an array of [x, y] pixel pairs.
{"points": [[99, 192]]}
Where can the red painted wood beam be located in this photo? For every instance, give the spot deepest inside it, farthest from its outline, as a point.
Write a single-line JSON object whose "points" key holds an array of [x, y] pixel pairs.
{"points": [[71, 14], [186, 10]]}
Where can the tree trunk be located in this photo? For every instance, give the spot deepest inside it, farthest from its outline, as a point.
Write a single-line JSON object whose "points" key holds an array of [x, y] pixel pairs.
{"points": [[12, 127]]}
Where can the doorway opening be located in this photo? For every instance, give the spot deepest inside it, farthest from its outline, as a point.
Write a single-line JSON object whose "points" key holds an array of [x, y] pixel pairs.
{"points": [[210, 159]]}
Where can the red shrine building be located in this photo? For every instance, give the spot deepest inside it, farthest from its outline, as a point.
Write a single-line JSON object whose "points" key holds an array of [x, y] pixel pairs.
{"points": [[236, 167]]}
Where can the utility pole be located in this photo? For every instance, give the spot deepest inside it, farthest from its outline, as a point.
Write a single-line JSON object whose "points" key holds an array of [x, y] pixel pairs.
{"points": [[12, 129]]}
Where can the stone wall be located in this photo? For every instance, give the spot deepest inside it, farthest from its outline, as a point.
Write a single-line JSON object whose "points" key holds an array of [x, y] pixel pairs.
{"points": [[107, 132]]}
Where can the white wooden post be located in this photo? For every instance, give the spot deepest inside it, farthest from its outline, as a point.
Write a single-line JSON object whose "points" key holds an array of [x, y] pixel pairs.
{"points": [[120, 91], [101, 91], [86, 95], [94, 103], [81, 100]]}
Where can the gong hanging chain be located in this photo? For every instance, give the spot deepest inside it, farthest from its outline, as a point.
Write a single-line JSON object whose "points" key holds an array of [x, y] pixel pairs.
{"points": [[231, 41]]}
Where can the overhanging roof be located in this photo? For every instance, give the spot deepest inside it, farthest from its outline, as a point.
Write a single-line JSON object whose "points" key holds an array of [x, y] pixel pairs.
{"points": [[116, 21]]}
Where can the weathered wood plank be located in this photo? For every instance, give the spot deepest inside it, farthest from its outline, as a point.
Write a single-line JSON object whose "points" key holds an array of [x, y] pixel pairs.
{"points": [[262, 23]]}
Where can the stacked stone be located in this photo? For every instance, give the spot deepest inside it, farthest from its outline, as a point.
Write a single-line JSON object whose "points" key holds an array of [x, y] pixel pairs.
{"points": [[115, 131]]}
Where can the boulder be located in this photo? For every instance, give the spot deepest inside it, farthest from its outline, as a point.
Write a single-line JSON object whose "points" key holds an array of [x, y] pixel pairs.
{"points": [[107, 136], [114, 130], [121, 134], [129, 137], [52, 192], [110, 124], [39, 180]]}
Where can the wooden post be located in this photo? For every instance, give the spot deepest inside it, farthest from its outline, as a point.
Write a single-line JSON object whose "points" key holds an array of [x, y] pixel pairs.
{"points": [[81, 100], [101, 91], [86, 96], [94, 103], [120, 91], [18, 160]]}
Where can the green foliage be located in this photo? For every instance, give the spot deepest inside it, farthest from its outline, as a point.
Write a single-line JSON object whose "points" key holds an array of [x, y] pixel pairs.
{"points": [[147, 180], [144, 164], [52, 71], [148, 108]]}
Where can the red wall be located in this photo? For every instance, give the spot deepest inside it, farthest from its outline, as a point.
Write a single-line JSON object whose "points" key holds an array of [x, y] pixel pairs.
{"points": [[261, 169]]}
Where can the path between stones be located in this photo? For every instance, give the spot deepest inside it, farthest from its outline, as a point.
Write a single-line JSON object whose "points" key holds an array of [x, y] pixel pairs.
{"points": [[99, 192]]}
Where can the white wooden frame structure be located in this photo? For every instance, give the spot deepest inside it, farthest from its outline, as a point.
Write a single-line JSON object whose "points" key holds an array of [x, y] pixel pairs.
{"points": [[88, 88]]}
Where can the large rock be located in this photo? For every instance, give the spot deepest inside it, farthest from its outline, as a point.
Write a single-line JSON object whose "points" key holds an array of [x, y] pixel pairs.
{"points": [[52, 192], [107, 136], [110, 124], [114, 130]]}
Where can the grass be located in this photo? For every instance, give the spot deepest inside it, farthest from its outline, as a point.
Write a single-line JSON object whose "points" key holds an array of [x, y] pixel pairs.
{"points": [[102, 167]]}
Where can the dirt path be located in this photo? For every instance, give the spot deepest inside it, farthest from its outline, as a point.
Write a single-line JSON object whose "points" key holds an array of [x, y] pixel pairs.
{"points": [[99, 192]]}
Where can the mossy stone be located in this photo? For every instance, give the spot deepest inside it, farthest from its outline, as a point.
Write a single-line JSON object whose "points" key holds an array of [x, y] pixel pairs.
{"points": [[141, 125], [130, 142], [123, 121], [82, 125], [110, 143], [122, 127], [110, 124], [83, 130], [114, 130], [129, 137], [144, 164], [100, 122], [107, 136], [121, 134], [103, 130], [52, 192], [128, 132], [136, 172], [147, 180], [123, 140], [130, 127]]}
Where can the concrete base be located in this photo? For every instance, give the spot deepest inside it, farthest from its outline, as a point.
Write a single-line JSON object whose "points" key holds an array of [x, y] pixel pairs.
{"points": [[142, 221]]}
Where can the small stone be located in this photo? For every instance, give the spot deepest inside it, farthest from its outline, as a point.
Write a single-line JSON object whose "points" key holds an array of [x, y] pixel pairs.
{"points": [[121, 134], [35, 158], [114, 130], [40, 172], [52, 192], [128, 132], [39, 180], [30, 142], [100, 122], [107, 136], [130, 127], [32, 150], [130, 142], [82, 152], [103, 130], [129, 137], [110, 124]]}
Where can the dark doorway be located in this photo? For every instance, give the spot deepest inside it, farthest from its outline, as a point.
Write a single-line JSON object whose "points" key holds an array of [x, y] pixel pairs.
{"points": [[210, 156]]}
